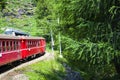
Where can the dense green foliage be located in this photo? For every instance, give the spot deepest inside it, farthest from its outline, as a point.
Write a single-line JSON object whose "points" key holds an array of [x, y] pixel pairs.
{"points": [[46, 16], [90, 30]]}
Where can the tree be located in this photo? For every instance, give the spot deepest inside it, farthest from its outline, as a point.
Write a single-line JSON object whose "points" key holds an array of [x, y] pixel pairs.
{"points": [[91, 30]]}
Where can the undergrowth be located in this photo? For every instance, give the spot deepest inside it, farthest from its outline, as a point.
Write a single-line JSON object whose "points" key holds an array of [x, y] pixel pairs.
{"points": [[46, 70]]}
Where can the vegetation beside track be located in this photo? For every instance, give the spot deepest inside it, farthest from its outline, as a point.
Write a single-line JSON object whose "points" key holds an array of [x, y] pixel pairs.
{"points": [[45, 70]]}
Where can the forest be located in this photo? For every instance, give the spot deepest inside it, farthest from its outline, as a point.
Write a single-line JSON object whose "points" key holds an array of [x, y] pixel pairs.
{"points": [[89, 31]]}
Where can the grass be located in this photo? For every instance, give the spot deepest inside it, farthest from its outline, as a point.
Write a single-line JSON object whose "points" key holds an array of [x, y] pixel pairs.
{"points": [[46, 70]]}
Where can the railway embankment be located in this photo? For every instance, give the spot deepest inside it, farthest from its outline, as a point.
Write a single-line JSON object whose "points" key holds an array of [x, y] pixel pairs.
{"points": [[17, 73]]}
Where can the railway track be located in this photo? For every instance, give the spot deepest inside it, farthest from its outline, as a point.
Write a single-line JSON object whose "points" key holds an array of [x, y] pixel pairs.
{"points": [[5, 70]]}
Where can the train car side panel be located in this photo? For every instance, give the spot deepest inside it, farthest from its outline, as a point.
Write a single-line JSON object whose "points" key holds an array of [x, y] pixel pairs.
{"points": [[9, 51], [42, 45], [33, 47]]}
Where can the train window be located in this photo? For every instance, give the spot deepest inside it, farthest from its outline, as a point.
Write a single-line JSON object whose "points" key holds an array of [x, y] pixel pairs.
{"points": [[14, 45], [39, 43], [34, 43], [3, 45], [27, 44], [0, 46], [31, 43], [17, 44], [11, 45], [6, 46]]}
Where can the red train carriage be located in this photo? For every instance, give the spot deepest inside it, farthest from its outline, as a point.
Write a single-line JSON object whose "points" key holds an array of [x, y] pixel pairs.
{"points": [[14, 48]]}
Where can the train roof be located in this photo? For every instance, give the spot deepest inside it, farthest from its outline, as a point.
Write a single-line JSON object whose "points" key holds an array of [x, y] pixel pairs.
{"points": [[17, 32], [4, 36]]}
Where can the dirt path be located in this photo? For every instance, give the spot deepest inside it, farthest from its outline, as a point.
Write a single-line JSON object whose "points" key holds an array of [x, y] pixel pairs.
{"points": [[13, 74]]}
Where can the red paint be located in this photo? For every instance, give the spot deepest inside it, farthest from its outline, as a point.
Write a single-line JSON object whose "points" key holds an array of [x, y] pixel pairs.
{"points": [[23, 47], [20, 51], [9, 57]]}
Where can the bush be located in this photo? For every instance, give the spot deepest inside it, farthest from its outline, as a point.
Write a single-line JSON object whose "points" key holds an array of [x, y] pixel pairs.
{"points": [[94, 59]]}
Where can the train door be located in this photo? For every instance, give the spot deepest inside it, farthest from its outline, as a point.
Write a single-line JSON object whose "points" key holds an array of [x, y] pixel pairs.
{"points": [[23, 48]]}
